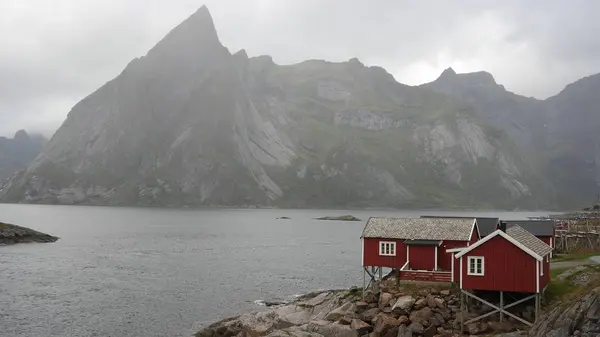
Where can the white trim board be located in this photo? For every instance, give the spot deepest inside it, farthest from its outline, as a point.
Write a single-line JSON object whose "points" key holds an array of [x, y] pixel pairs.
{"points": [[455, 250], [537, 276], [504, 235], [473, 229], [362, 251]]}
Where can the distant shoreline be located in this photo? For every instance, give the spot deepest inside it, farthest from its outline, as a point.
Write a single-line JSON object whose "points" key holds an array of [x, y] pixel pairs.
{"points": [[388, 209]]}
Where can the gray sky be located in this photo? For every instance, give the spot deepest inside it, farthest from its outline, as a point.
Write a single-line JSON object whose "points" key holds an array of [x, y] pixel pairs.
{"points": [[53, 53]]}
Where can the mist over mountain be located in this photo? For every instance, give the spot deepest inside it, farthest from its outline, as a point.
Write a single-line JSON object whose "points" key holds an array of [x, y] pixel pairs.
{"points": [[18, 152], [192, 124]]}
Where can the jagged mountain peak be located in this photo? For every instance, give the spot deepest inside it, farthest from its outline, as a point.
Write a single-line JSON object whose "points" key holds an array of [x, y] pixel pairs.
{"points": [[196, 35], [478, 78], [448, 72]]}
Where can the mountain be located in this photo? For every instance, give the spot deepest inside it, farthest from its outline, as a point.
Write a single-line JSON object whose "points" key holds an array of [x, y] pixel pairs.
{"points": [[18, 152], [192, 124], [573, 151], [559, 134]]}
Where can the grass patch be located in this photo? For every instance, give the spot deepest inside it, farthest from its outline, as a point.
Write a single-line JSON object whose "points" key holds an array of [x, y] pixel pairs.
{"points": [[574, 257], [566, 288]]}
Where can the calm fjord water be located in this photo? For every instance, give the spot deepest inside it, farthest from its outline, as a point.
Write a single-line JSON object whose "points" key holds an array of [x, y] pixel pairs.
{"points": [[131, 272]]}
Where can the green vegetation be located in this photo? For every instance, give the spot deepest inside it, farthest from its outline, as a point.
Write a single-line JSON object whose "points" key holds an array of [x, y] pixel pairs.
{"points": [[574, 257], [566, 287]]}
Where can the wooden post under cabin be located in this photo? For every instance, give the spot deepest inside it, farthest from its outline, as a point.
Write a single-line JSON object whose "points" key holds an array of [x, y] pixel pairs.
{"points": [[501, 306]]}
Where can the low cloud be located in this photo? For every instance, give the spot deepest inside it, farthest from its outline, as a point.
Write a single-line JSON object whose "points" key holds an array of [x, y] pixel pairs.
{"points": [[54, 53]]}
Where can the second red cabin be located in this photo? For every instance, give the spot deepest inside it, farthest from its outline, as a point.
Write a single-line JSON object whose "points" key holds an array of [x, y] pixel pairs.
{"points": [[416, 246]]}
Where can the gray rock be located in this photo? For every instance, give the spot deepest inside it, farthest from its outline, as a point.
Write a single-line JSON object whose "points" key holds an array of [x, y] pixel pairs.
{"points": [[404, 331], [384, 300], [369, 315], [339, 312], [404, 304], [421, 316], [416, 328], [326, 328], [568, 318], [360, 327], [294, 332]]}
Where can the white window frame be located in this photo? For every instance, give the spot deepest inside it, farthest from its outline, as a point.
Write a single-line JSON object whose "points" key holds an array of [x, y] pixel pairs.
{"points": [[391, 251], [474, 259]]}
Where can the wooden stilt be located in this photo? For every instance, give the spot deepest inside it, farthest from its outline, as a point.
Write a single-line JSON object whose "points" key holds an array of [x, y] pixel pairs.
{"points": [[497, 309], [364, 283], [537, 306], [501, 306], [462, 313]]}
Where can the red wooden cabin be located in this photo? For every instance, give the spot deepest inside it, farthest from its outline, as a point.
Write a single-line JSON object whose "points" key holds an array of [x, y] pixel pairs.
{"points": [[416, 246], [511, 261]]}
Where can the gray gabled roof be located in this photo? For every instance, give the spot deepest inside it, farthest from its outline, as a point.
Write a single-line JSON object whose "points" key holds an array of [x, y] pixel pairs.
{"points": [[456, 229], [485, 225], [528, 240], [535, 227]]}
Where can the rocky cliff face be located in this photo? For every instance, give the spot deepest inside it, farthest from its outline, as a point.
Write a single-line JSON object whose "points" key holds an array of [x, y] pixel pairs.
{"points": [[559, 135], [18, 152], [578, 318], [192, 124]]}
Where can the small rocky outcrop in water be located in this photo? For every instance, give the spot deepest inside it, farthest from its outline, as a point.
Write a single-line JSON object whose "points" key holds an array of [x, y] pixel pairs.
{"points": [[11, 234], [340, 218]]}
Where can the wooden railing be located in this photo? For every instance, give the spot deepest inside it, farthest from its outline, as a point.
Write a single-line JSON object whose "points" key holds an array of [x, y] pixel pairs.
{"points": [[426, 276]]}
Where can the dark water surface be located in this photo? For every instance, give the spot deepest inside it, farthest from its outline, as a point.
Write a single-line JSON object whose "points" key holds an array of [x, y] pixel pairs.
{"points": [[138, 272]]}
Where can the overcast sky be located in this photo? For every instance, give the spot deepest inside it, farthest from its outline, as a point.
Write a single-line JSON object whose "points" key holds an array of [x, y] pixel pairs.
{"points": [[53, 53]]}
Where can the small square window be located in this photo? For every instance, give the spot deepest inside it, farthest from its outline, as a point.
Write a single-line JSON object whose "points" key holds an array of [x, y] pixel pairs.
{"points": [[476, 266], [387, 248]]}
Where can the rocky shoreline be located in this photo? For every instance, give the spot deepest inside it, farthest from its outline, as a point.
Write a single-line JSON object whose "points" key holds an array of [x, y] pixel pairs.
{"points": [[13, 234], [410, 310], [392, 312]]}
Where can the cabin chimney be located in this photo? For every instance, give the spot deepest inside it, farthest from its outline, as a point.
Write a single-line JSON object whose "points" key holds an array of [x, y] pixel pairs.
{"points": [[502, 226]]}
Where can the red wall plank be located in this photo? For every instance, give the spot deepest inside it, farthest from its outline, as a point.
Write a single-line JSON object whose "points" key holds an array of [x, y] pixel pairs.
{"points": [[507, 268]]}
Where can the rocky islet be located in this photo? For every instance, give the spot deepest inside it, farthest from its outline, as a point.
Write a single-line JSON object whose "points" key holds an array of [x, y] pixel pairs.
{"points": [[13, 234]]}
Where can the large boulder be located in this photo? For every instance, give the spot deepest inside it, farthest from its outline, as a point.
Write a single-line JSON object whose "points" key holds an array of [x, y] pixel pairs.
{"points": [[313, 302], [416, 328], [477, 328], [384, 300], [383, 323], [360, 327], [582, 314], [404, 304], [431, 301], [369, 315], [347, 309], [292, 332], [421, 316], [420, 304], [262, 323], [404, 331], [329, 329]]}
